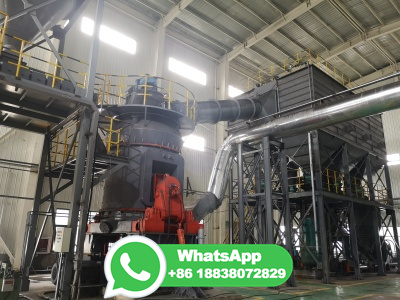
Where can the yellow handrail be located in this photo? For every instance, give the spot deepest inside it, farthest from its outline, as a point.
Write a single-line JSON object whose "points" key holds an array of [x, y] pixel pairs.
{"points": [[3, 30]]}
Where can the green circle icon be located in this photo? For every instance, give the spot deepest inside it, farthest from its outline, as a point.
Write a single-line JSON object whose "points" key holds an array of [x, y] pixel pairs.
{"points": [[135, 266]]}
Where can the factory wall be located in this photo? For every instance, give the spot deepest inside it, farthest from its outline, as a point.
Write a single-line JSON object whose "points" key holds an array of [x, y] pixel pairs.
{"points": [[17, 181], [240, 81], [391, 125], [111, 60]]}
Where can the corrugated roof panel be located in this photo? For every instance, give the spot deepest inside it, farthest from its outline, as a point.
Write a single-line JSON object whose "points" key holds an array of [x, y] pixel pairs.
{"points": [[254, 66], [142, 9], [270, 51], [162, 6], [206, 29], [261, 7], [385, 9], [199, 38], [239, 11], [284, 5], [346, 69], [282, 41], [318, 29], [361, 13], [334, 19], [204, 47], [371, 54], [213, 12], [390, 45], [294, 32], [242, 67], [260, 59], [356, 62]]}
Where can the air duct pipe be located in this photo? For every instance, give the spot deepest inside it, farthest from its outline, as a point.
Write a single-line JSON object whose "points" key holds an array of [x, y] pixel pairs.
{"points": [[353, 107], [214, 111]]}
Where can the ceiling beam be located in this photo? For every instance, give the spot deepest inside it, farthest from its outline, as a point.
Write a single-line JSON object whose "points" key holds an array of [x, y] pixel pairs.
{"points": [[380, 73], [173, 13], [270, 29], [342, 9], [395, 5], [369, 35]]}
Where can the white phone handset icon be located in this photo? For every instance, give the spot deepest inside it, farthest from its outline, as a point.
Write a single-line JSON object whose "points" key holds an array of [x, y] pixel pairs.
{"points": [[125, 260]]}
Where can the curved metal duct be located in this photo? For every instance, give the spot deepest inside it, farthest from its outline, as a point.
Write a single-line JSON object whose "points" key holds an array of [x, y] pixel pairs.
{"points": [[24, 27], [214, 111], [353, 107]]}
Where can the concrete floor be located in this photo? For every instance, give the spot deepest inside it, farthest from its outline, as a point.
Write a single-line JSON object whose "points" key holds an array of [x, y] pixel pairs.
{"points": [[371, 287]]}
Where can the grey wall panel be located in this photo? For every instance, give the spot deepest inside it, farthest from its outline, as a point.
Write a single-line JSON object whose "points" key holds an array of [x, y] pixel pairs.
{"points": [[111, 60], [391, 125], [15, 181]]}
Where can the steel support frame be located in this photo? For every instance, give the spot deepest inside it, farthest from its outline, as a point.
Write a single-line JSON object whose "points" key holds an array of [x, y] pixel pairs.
{"points": [[32, 221], [53, 49], [268, 209], [286, 208], [320, 208], [351, 216], [84, 152], [375, 219], [393, 213], [255, 207]]}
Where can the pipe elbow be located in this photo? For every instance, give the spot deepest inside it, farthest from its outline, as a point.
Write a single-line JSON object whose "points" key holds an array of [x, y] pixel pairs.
{"points": [[207, 204]]}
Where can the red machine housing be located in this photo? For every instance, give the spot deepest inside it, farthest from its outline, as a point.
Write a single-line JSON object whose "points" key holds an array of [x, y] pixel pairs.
{"points": [[168, 214]]}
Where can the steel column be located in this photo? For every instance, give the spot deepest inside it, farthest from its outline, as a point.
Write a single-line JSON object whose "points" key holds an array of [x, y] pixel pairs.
{"points": [[84, 203], [351, 216], [32, 221], [286, 206], [261, 233], [94, 50], [240, 193], [321, 208], [393, 213], [375, 218], [269, 213], [353, 241], [67, 269], [346, 170]]}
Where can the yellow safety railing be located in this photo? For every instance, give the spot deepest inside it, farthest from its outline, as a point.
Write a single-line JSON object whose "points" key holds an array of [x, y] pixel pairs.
{"points": [[62, 142], [111, 90], [361, 188], [45, 65], [334, 181], [110, 142], [3, 30], [297, 61]]}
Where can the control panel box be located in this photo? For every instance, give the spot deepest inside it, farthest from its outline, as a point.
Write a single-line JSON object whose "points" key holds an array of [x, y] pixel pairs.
{"points": [[62, 240]]}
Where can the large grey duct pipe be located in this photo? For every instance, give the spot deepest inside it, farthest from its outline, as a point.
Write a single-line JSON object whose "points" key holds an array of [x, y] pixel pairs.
{"points": [[353, 107], [214, 111]]}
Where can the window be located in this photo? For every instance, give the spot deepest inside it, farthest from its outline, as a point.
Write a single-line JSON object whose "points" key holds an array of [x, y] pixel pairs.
{"points": [[62, 217], [110, 36], [234, 92], [193, 142], [187, 71], [393, 159]]}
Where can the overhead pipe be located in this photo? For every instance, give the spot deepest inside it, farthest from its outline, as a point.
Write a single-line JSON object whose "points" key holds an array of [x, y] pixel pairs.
{"points": [[214, 111], [353, 107]]}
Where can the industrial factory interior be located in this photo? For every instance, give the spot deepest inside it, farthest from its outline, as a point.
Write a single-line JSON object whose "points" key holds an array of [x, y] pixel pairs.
{"points": [[195, 123]]}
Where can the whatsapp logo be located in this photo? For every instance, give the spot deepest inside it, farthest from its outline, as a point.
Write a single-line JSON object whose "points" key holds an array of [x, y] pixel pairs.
{"points": [[135, 267]]}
